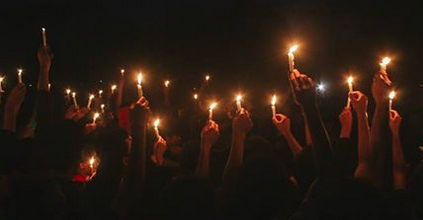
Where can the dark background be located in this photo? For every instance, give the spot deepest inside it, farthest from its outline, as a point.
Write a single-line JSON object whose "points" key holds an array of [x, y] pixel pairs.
{"points": [[242, 44]]}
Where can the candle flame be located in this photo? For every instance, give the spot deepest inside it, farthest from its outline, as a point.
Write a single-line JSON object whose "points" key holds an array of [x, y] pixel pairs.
{"points": [[238, 98], [91, 161], [100, 92], [20, 71], [167, 83], [43, 29], [96, 115], [274, 100], [207, 78], [91, 96], [392, 95], [73, 94], [386, 61], [293, 49], [102, 106], [139, 79], [213, 105], [68, 91], [114, 87], [122, 71], [195, 96], [156, 123], [350, 80], [1, 79]]}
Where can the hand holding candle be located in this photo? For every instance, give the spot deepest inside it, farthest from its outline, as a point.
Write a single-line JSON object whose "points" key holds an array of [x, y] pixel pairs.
{"points": [[212, 106], [273, 106], [384, 65], [391, 98], [139, 85], [350, 81]]}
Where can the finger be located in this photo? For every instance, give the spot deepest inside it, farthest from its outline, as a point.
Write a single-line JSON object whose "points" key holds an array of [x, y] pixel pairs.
{"points": [[296, 73]]}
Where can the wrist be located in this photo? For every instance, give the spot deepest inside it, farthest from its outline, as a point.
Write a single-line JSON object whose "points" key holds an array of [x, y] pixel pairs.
{"points": [[361, 115], [345, 132]]}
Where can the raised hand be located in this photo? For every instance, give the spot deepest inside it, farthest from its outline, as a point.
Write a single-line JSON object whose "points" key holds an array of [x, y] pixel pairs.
{"points": [[304, 88], [282, 123], [346, 123], [16, 98], [76, 114], [45, 57], [359, 102], [242, 123], [160, 148], [210, 133], [395, 121], [380, 88]]}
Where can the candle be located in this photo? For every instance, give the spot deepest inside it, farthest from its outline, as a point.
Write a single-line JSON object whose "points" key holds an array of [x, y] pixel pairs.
{"points": [[68, 91], [43, 32], [122, 72], [238, 103], [291, 58], [273, 106], [95, 117], [384, 64], [90, 99], [49, 87], [212, 106], [113, 88], [195, 96], [139, 85], [207, 78], [167, 83], [350, 81], [156, 127], [391, 98], [20, 75], [74, 100], [100, 93], [91, 162], [102, 106], [1, 80]]}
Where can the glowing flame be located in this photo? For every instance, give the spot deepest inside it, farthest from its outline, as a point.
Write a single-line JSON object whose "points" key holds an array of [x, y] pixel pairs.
{"points": [[293, 49], [386, 61], [73, 94], [20, 71], [139, 79], [350, 80], [122, 71], [100, 92], [392, 95], [43, 29], [96, 115], [156, 123], [91, 96], [102, 106], [167, 83], [114, 87], [274, 100], [1, 79], [195, 96], [213, 105], [207, 78], [68, 91], [238, 98], [91, 162]]}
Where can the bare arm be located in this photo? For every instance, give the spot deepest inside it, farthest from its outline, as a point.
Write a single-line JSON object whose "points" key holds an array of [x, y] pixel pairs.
{"points": [[12, 106], [399, 165], [283, 124], [209, 136]]}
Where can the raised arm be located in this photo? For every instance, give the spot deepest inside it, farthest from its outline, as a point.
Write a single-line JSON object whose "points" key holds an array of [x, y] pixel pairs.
{"points": [[379, 143], [12, 106], [241, 125], [399, 166], [359, 102], [159, 149], [305, 91], [209, 136], [43, 111], [283, 124]]}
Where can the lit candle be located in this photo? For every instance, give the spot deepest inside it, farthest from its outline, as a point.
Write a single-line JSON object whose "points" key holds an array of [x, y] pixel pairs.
{"points": [[195, 96], [274, 106], [74, 100], [291, 58], [212, 106], [91, 162], [238, 103], [391, 98], [384, 64], [100, 93], [207, 78], [68, 91], [43, 32], [114, 87], [49, 87], [20, 75], [156, 127], [90, 99], [122, 72], [167, 83], [350, 81], [1, 80], [139, 85], [95, 117], [102, 106]]}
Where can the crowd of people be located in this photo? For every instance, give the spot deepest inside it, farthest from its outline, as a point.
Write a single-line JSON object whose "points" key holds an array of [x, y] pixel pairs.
{"points": [[69, 166]]}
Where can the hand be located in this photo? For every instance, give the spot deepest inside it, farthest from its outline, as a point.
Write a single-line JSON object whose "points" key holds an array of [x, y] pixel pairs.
{"points": [[304, 88], [395, 121], [380, 88], [282, 123], [45, 56], [210, 133], [346, 123], [140, 111], [16, 98], [242, 123], [359, 102], [89, 128], [76, 114], [159, 150]]}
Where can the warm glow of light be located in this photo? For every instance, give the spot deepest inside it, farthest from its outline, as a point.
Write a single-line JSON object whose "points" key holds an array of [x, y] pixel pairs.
{"points": [[350, 80], [73, 94], [321, 87], [102, 106], [96, 115], [114, 87], [195, 96], [386, 61], [392, 95], [167, 83], [1, 79], [91, 96], [139, 78], [213, 105], [100, 92], [207, 77], [43, 29], [20, 71], [68, 91], [293, 49], [122, 71], [274, 100], [156, 123], [238, 98], [91, 162]]}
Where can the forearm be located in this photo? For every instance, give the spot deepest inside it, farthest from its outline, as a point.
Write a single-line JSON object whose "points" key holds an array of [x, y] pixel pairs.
{"points": [[42, 110], [203, 165], [43, 79], [236, 154], [399, 166], [309, 141], [293, 144], [363, 138], [9, 120]]}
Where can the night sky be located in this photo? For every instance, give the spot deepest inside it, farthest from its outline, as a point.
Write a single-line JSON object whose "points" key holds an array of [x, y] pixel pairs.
{"points": [[242, 44]]}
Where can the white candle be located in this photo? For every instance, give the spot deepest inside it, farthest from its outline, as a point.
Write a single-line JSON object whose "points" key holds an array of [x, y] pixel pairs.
{"points": [[384, 64], [100, 93], [291, 58], [20, 75], [95, 117], [238, 103], [74, 100], [350, 81], [139, 85], [90, 99], [274, 106], [68, 91], [43, 32], [102, 106], [212, 106], [114, 87], [1, 80], [391, 98], [207, 78], [156, 128]]}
